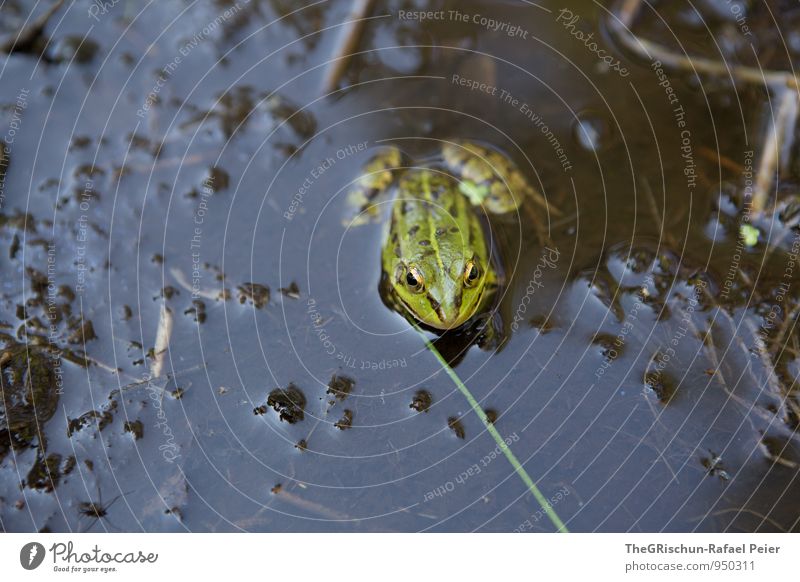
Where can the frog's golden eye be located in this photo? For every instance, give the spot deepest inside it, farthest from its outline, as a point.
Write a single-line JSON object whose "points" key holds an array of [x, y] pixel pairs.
{"points": [[472, 272], [414, 280]]}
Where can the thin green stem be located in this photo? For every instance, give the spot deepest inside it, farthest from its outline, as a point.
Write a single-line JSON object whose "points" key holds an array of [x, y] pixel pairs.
{"points": [[476, 408]]}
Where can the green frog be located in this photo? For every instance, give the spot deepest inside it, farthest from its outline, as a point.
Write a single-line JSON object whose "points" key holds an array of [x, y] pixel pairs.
{"points": [[439, 267]]}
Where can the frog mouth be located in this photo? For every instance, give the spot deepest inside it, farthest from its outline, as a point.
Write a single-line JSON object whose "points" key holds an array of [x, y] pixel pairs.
{"points": [[441, 322]]}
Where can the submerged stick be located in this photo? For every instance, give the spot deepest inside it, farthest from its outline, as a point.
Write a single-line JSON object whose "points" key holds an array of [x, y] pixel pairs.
{"points": [[312, 506], [622, 22], [347, 44], [784, 85], [768, 166], [476, 408], [163, 336]]}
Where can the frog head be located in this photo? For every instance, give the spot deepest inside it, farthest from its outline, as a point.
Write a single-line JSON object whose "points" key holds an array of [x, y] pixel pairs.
{"points": [[440, 298]]}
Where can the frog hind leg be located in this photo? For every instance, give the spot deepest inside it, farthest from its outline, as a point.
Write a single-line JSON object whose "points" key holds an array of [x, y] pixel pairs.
{"points": [[494, 182], [491, 332], [371, 189]]}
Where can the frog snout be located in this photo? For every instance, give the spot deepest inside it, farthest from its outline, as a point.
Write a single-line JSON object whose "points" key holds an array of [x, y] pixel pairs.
{"points": [[450, 315]]}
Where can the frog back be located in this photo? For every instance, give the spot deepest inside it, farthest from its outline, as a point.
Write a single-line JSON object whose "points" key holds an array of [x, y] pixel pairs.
{"points": [[433, 222]]}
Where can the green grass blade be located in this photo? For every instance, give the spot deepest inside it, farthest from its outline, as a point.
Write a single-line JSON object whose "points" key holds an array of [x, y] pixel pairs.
{"points": [[476, 408]]}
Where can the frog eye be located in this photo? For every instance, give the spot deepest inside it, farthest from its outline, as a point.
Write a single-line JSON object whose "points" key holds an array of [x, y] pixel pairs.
{"points": [[414, 280], [472, 272]]}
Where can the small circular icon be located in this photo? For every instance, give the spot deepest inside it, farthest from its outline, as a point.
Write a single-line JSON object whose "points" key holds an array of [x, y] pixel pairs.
{"points": [[31, 555]]}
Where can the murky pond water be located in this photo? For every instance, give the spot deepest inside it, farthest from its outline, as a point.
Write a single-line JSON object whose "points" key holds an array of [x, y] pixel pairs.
{"points": [[179, 266]]}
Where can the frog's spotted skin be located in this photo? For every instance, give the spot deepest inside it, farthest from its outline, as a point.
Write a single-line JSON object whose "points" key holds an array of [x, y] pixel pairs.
{"points": [[436, 260], [376, 177], [488, 177]]}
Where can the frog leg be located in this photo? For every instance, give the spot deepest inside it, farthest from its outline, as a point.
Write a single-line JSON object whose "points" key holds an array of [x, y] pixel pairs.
{"points": [[491, 332], [371, 189], [489, 177], [494, 182], [489, 325]]}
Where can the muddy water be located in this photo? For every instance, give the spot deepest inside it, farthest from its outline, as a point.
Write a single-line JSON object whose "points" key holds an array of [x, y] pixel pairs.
{"points": [[179, 169]]}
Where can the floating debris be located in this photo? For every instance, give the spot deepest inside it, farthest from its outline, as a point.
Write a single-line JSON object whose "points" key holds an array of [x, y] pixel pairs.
{"points": [[422, 401], [611, 347], [542, 323], [346, 421], [236, 109], [289, 403], [340, 386], [292, 291], [197, 311], [103, 419], [257, 294], [73, 49], [136, 428], [168, 292], [45, 473], [660, 384], [217, 180], [714, 466], [82, 334], [456, 426]]}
